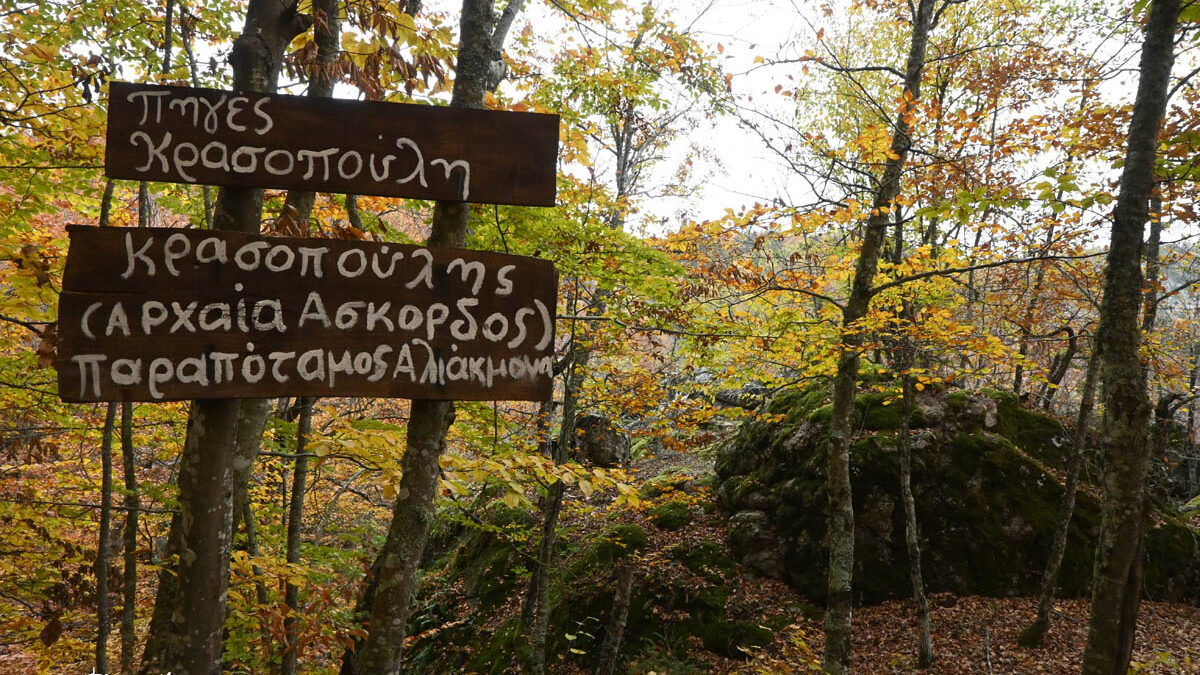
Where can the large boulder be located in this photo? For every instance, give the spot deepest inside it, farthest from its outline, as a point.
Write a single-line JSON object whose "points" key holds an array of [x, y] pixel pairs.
{"points": [[599, 443], [986, 482]]}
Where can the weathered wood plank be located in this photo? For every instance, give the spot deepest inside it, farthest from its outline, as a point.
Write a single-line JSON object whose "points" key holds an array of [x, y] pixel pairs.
{"points": [[208, 136], [160, 314]]}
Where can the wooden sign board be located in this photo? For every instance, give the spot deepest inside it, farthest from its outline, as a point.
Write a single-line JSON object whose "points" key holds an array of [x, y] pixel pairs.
{"points": [[208, 136], [160, 314]]}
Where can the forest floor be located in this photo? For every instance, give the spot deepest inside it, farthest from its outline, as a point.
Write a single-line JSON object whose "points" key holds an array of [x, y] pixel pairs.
{"points": [[978, 635], [971, 634]]}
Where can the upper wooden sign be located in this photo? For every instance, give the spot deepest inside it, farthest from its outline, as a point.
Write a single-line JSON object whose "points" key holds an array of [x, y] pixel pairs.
{"points": [[160, 314], [186, 135]]}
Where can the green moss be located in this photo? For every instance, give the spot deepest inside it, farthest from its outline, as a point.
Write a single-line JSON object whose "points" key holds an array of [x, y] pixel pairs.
{"points": [[798, 402], [706, 559], [615, 543], [729, 638], [739, 456], [1171, 554], [956, 401], [1038, 434], [822, 415], [507, 648], [672, 515]]}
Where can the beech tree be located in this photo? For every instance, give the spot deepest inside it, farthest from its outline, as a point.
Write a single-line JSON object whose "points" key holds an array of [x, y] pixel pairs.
{"points": [[1117, 585], [190, 638]]}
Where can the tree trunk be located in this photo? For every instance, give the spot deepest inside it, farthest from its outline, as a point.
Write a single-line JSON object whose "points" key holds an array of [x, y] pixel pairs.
{"points": [[539, 599], [291, 593], [841, 506], [1116, 583], [191, 612], [103, 602], [133, 504], [252, 421], [1039, 279], [911, 533], [481, 38], [532, 591], [615, 631], [260, 587], [1035, 633], [396, 578]]}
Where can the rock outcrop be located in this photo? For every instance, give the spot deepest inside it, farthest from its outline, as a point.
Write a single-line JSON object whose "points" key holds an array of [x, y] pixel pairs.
{"points": [[987, 484]]}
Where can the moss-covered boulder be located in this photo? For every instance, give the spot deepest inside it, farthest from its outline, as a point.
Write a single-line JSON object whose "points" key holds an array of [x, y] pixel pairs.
{"points": [[671, 515], [985, 489]]}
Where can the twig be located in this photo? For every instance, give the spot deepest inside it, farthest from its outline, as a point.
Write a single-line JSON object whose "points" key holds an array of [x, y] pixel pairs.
{"points": [[987, 648]]}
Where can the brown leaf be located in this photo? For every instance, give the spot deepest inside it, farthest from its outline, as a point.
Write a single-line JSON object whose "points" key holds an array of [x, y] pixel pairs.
{"points": [[51, 632], [47, 349]]}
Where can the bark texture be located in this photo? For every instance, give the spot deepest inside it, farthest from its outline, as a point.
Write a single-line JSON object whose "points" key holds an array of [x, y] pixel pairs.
{"points": [[615, 630], [395, 580], [133, 503], [291, 593], [103, 602], [1116, 585], [189, 616], [841, 507], [911, 532]]}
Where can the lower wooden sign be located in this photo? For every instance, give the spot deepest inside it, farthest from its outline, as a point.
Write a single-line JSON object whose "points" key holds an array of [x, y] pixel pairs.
{"points": [[160, 314]]}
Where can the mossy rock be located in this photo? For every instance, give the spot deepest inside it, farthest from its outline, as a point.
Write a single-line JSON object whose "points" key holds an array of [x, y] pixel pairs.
{"points": [[705, 559], [956, 400], [506, 651], [884, 411], [1037, 433], [484, 558], [986, 505], [615, 543], [671, 480], [672, 515], [732, 638]]}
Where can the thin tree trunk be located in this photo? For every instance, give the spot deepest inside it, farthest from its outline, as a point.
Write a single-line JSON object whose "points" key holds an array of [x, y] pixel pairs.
{"points": [[1116, 583], [480, 39], [291, 623], [352, 212], [615, 631], [577, 362], [103, 602], [1035, 633], [106, 203], [193, 611], [532, 591], [1039, 279], [133, 503], [540, 600], [911, 533], [168, 29], [260, 587], [841, 505], [252, 421]]}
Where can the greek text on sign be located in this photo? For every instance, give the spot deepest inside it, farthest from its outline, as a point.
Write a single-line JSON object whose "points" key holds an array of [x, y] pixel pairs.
{"points": [[208, 136], [155, 314]]}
